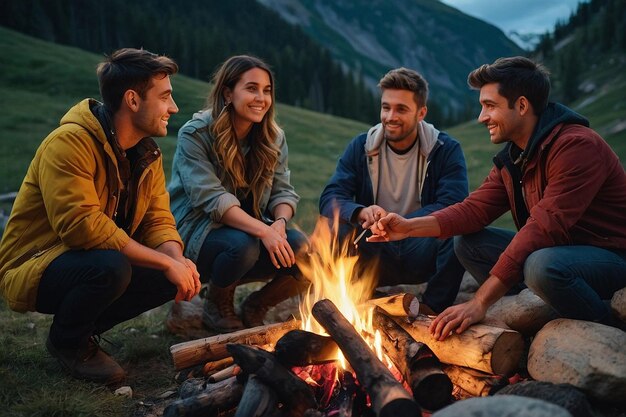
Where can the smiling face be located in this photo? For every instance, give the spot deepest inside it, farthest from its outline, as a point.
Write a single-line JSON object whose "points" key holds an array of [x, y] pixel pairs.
{"points": [[400, 115], [251, 98], [155, 108], [504, 124]]}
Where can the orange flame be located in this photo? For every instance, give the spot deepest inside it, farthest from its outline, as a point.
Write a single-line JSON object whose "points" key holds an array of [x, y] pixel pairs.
{"points": [[331, 270]]}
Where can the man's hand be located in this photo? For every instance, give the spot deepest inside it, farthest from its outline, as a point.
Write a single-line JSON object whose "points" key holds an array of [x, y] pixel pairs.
{"points": [[185, 277], [369, 215], [390, 227], [457, 319]]}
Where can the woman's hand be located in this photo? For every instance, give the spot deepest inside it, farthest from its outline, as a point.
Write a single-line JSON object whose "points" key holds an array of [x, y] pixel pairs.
{"points": [[275, 241]]}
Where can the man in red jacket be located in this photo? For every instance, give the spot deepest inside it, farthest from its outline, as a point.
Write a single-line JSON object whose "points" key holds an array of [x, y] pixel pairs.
{"points": [[565, 188]]}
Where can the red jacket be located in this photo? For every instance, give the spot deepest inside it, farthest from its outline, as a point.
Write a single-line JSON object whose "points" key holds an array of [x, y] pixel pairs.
{"points": [[573, 187]]}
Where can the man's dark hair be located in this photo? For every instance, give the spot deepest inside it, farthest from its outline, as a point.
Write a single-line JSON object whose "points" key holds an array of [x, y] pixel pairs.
{"points": [[406, 79], [130, 69], [516, 76]]}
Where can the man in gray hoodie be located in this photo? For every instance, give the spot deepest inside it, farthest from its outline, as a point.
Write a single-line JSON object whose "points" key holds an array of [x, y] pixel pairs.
{"points": [[402, 165]]}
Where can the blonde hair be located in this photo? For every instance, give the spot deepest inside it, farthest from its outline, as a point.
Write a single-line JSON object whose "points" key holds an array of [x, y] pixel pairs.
{"points": [[255, 170]]}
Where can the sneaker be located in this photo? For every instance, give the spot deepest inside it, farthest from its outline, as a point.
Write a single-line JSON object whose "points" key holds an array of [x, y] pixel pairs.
{"points": [[88, 362]]}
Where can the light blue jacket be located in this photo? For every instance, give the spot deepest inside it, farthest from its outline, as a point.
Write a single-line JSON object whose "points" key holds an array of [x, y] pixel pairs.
{"points": [[199, 198]]}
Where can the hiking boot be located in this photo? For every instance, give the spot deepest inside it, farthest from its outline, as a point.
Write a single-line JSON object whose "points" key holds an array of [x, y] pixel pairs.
{"points": [[219, 312], [256, 305], [88, 362]]}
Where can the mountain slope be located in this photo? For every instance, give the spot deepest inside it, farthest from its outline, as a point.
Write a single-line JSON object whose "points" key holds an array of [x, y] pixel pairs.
{"points": [[373, 36]]}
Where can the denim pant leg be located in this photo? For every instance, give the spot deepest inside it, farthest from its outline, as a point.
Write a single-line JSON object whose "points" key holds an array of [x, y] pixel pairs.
{"points": [[478, 252], [77, 287], [575, 279], [436, 258], [227, 254], [91, 291]]}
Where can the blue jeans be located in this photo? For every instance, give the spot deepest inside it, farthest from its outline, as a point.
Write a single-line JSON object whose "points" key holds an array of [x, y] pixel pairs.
{"points": [[229, 255], [574, 280], [414, 261], [90, 291]]}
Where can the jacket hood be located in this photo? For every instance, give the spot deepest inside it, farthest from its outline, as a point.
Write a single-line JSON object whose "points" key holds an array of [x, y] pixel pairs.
{"points": [[554, 115], [427, 134], [82, 115]]}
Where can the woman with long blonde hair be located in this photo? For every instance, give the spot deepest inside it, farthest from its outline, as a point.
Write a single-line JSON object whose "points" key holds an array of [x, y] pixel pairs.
{"points": [[232, 198]]}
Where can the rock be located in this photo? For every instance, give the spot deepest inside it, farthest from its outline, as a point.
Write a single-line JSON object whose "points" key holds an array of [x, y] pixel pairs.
{"points": [[469, 283], [618, 304], [590, 356], [524, 312], [185, 319], [502, 406], [124, 391], [564, 395]]}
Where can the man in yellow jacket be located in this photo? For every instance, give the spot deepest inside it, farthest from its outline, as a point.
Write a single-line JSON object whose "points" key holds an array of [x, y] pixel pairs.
{"points": [[91, 238]]}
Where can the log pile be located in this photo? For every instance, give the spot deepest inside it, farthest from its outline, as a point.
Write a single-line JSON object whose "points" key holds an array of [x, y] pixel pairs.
{"points": [[251, 372]]}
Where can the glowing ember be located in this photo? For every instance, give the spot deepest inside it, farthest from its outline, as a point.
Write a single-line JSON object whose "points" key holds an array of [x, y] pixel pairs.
{"points": [[331, 270]]}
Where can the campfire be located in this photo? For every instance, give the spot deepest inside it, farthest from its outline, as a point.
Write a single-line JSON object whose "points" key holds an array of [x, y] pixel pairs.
{"points": [[348, 355]]}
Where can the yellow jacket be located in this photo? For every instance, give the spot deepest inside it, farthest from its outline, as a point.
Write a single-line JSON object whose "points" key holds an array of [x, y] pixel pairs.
{"points": [[68, 200]]}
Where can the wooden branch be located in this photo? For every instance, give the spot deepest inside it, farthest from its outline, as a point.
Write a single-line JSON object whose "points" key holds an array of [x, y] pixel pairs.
{"points": [[485, 348], [209, 403], [478, 384], [291, 390], [213, 348], [388, 396], [398, 305], [212, 367], [431, 387], [301, 348], [232, 370], [258, 400]]}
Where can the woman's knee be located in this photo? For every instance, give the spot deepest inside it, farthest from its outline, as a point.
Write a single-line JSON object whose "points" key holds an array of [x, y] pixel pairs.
{"points": [[297, 240]]}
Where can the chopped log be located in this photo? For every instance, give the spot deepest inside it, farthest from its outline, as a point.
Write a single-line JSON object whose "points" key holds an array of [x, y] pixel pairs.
{"points": [[399, 305], [489, 349], [212, 367], [232, 370], [431, 387], [291, 390], [478, 384], [388, 396], [301, 348], [209, 403], [258, 400], [213, 348]]}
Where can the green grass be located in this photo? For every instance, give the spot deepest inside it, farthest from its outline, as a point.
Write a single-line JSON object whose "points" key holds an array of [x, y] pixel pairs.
{"points": [[39, 81]]}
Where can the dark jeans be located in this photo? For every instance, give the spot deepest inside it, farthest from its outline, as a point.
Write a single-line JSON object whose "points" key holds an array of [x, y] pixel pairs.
{"points": [[572, 279], [229, 255], [91, 291], [413, 261]]}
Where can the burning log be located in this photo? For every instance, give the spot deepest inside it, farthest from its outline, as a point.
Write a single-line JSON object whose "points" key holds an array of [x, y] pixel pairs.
{"points": [[476, 383], [212, 367], [212, 348], [485, 348], [432, 388], [388, 396], [258, 400], [292, 391], [398, 305], [221, 398], [301, 348]]}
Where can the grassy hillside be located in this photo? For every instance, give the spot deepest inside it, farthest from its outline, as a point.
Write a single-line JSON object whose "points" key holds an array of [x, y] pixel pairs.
{"points": [[39, 81]]}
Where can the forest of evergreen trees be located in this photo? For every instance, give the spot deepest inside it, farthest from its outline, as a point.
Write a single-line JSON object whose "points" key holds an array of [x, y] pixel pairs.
{"points": [[596, 29], [199, 35]]}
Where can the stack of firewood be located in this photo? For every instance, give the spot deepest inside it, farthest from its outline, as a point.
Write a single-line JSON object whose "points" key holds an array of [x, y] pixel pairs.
{"points": [[249, 373]]}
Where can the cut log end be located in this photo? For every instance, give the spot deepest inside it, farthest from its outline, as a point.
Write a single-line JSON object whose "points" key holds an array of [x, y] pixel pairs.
{"points": [[506, 353]]}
